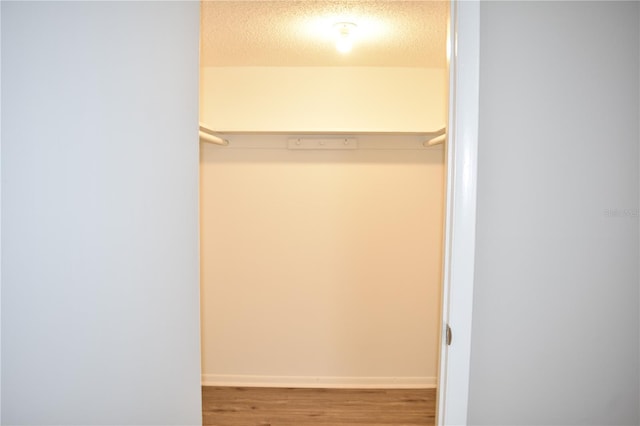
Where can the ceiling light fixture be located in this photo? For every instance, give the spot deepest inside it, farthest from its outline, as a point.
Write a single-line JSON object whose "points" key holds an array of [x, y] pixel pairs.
{"points": [[344, 36]]}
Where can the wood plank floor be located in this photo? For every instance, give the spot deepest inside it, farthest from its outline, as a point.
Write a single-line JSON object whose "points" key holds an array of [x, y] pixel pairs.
{"points": [[237, 406]]}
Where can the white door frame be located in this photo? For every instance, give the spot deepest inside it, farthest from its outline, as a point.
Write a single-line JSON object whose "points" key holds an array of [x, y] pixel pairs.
{"points": [[460, 222]]}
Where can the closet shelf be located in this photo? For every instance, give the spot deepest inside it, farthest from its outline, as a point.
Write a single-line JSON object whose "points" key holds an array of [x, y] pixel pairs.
{"points": [[322, 139], [292, 133]]}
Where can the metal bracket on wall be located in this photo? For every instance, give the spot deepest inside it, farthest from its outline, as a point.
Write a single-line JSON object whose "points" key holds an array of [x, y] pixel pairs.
{"points": [[449, 336], [323, 143]]}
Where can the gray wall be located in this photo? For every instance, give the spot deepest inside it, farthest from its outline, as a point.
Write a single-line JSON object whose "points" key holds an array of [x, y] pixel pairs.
{"points": [[555, 325], [100, 213], [0, 216]]}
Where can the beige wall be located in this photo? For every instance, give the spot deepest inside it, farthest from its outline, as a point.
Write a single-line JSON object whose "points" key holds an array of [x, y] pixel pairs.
{"points": [[320, 267], [323, 99]]}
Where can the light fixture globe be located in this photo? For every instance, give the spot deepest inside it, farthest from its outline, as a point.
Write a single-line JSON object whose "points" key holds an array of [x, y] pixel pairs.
{"points": [[344, 36]]}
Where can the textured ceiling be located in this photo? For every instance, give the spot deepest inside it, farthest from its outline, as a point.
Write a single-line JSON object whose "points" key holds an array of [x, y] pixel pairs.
{"points": [[299, 33]]}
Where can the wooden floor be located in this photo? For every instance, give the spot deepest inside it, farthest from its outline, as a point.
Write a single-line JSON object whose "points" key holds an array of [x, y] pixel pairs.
{"points": [[233, 406]]}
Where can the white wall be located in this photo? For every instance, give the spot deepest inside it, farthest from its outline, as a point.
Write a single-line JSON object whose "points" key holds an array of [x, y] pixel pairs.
{"points": [[100, 321], [555, 337], [0, 217], [320, 267], [373, 99]]}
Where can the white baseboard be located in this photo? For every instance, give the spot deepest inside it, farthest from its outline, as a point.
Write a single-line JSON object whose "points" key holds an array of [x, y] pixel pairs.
{"points": [[320, 382]]}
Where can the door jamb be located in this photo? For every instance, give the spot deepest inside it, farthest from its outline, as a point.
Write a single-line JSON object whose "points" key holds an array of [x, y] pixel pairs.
{"points": [[460, 216]]}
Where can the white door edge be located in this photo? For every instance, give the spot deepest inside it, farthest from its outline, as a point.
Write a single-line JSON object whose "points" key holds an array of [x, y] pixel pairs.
{"points": [[460, 222]]}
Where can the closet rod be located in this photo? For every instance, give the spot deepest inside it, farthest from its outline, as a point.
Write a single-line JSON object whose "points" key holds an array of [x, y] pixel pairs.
{"points": [[208, 135], [436, 138]]}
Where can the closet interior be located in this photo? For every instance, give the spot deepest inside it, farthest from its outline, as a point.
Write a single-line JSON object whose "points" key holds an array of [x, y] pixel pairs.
{"points": [[322, 192]]}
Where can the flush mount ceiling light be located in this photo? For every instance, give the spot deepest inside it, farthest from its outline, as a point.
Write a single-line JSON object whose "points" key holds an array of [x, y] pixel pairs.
{"points": [[344, 36]]}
